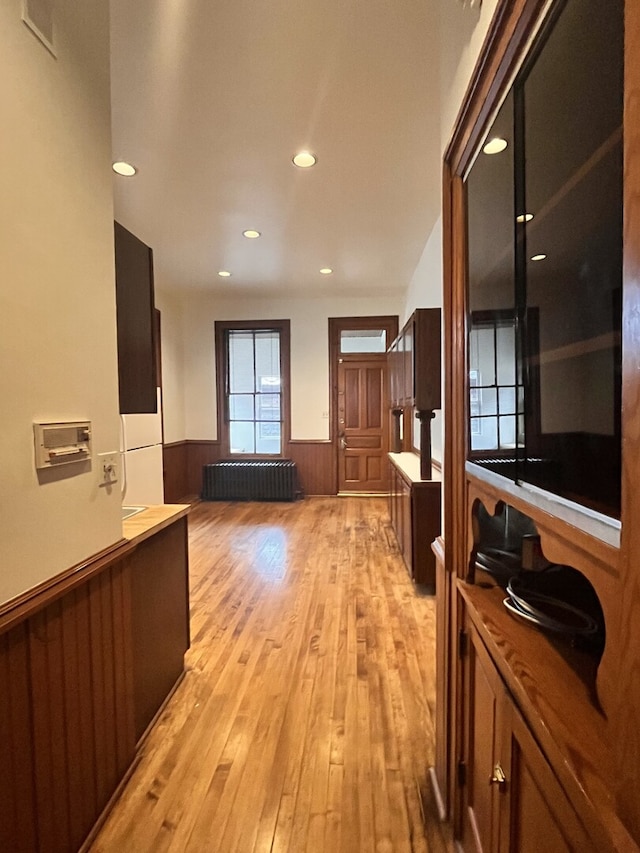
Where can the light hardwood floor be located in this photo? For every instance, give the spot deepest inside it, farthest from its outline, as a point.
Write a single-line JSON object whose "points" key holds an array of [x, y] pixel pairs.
{"points": [[305, 720]]}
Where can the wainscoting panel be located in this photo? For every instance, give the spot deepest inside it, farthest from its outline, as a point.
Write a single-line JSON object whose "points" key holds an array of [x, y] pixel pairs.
{"points": [[175, 467], [183, 463], [66, 714], [17, 790], [316, 466], [199, 453]]}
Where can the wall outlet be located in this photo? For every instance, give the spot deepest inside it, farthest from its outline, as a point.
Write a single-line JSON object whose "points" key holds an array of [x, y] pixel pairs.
{"points": [[108, 468], [325, 414]]}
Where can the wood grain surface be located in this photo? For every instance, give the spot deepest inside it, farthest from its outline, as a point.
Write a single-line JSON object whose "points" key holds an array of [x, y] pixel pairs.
{"points": [[627, 715], [152, 520], [305, 719]]}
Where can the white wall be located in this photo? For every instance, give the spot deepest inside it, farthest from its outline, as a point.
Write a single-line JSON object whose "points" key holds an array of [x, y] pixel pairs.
{"points": [[425, 287], [425, 291], [173, 405], [309, 354], [57, 296], [462, 33]]}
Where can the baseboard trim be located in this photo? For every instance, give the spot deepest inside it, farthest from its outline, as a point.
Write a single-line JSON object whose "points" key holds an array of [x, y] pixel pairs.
{"points": [[106, 811], [363, 494]]}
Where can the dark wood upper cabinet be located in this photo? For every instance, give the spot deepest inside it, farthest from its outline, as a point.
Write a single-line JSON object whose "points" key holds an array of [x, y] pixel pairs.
{"points": [[427, 371], [414, 362], [137, 370]]}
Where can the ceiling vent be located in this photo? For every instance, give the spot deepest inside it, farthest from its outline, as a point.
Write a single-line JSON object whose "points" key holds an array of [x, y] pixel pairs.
{"points": [[38, 16]]}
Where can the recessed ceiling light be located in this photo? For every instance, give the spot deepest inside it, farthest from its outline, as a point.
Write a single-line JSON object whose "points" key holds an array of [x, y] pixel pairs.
{"points": [[124, 169], [305, 159], [524, 217], [326, 270], [538, 257], [251, 234], [224, 274], [495, 145]]}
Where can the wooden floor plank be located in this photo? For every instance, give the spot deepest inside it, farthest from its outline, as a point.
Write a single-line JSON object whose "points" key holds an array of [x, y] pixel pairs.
{"points": [[304, 723]]}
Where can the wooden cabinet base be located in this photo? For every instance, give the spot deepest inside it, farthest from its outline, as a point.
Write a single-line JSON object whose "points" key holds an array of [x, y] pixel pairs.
{"points": [[511, 797], [414, 509]]}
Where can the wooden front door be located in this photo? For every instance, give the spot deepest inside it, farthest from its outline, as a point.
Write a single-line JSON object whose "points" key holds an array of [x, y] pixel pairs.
{"points": [[362, 424]]}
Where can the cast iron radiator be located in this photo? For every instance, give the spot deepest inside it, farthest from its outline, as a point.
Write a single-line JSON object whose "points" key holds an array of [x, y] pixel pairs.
{"points": [[254, 480]]}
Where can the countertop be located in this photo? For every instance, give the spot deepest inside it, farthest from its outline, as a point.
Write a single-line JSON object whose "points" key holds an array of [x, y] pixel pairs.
{"points": [[144, 524], [409, 464]]}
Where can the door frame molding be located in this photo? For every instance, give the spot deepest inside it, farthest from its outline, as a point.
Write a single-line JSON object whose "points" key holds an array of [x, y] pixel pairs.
{"points": [[388, 322]]}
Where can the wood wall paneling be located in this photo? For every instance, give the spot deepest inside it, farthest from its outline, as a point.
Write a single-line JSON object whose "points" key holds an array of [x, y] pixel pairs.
{"points": [[17, 791], [67, 735], [18, 609], [316, 466], [175, 463], [184, 462], [200, 453], [77, 703], [159, 619]]}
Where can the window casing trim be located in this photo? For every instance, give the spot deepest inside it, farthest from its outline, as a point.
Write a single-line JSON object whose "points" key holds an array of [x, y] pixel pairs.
{"points": [[221, 329]]}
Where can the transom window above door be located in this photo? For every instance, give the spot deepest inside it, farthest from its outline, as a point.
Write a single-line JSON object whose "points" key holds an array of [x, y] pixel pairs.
{"points": [[253, 371], [363, 340]]}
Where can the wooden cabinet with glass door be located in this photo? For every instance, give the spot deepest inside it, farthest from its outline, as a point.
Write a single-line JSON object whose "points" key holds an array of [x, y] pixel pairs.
{"points": [[542, 258]]}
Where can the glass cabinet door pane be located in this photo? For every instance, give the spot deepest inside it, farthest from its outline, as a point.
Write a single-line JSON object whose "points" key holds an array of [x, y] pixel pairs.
{"points": [[491, 284], [491, 222], [572, 184], [544, 220], [506, 354]]}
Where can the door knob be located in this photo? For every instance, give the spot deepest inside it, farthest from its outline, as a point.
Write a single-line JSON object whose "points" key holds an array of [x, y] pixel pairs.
{"points": [[343, 443], [498, 778]]}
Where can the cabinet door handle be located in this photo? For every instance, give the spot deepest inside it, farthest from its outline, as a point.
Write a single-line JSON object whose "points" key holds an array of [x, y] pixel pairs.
{"points": [[498, 778]]}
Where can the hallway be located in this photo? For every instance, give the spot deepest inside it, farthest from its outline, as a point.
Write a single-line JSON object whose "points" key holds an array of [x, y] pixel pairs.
{"points": [[305, 720]]}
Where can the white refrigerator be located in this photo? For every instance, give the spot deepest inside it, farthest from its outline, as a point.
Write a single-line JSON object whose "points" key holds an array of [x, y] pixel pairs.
{"points": [[141, 454]]}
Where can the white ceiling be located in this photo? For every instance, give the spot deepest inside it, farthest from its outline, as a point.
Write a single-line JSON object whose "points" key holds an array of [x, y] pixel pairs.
{"points": [[212, 99]]}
